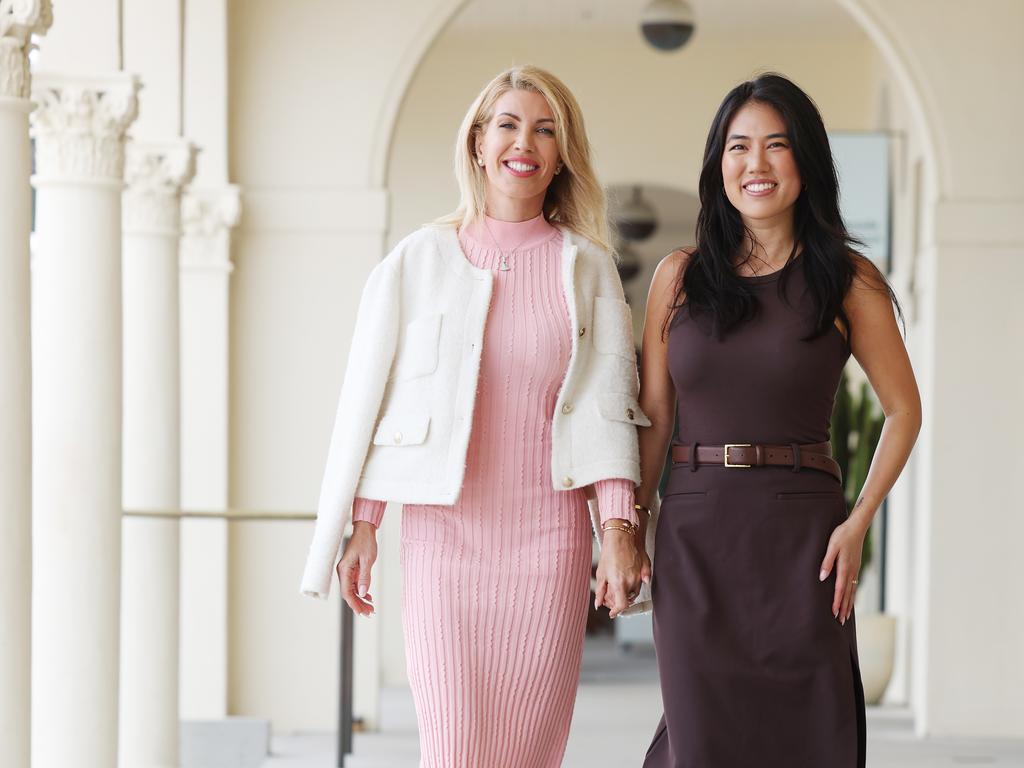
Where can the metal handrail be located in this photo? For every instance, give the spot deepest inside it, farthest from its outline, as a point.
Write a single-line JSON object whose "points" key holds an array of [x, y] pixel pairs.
{"points": [[223, 514]]}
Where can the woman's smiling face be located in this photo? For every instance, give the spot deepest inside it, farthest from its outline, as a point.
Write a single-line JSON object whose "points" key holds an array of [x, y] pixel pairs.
{"points": [[518, 149], [759, 170]]}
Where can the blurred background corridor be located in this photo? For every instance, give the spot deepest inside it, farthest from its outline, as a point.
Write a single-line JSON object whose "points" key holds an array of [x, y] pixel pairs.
{"points": [[194, 192]]}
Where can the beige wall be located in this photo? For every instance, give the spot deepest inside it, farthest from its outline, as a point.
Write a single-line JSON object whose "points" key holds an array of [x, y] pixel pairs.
{"points": [[968, 672], [308, 86], [969, 95], [85, 39]]}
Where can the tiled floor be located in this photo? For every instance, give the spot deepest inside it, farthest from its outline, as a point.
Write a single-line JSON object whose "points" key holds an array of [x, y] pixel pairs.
{"points": [[616, 711]]}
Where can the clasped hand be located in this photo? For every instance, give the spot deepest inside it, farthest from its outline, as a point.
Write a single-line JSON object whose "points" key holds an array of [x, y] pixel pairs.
{"points": [[620, 571]]}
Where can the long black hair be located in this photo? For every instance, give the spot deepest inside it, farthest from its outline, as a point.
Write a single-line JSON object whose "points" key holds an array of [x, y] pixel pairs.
{"points": [[709, 285]]}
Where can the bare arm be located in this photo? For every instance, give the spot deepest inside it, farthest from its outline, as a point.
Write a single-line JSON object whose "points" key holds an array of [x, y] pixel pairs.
{"points": [[878, 347], [657, 392]]}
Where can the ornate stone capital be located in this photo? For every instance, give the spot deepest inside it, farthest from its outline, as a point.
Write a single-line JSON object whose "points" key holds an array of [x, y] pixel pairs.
{"points": [[19, 20], [156, 173], [79, 125], [208, 212], [207, 217]]}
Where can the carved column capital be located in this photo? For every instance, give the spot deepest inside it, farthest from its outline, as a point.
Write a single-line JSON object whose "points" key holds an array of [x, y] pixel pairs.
{"points": [[207, 212], [155, 174], [19, 20], [80, 123], [207, 217]]}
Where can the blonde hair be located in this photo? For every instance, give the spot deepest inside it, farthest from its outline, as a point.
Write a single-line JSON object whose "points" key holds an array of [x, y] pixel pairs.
{"points": [[574, 198]]}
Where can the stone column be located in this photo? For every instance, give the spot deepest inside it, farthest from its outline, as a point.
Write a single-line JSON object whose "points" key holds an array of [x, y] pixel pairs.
{"points": [[17, 24], [155, 174], [79, 128], [210, 211], [208, 215]]}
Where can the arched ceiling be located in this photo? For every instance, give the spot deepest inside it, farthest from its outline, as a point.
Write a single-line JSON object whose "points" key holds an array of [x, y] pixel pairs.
{"points": [[738, 15]]}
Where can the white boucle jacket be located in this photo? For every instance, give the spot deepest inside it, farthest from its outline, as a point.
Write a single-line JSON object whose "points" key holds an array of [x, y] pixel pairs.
{"points": [[406, 406]]}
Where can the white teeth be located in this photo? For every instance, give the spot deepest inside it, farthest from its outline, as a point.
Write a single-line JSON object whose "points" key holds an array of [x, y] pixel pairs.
{"points": [[521, 167], [763, 187]]}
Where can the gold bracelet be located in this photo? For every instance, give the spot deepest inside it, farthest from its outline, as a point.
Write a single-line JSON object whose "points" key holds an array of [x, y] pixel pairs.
{"points": [[625, 527], [642, 508]]}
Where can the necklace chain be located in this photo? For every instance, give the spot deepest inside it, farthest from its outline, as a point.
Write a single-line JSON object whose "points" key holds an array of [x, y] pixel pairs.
{"points": [[504, 265]]}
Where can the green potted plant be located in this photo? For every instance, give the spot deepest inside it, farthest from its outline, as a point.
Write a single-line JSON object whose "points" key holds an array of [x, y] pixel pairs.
{"points": [[856, 428]]}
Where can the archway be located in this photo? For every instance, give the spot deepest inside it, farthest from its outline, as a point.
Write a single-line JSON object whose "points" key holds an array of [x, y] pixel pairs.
{"points": [[465, 51]]}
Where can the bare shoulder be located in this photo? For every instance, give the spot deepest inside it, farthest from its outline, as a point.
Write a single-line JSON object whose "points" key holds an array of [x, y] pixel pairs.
{"points": [[665, 294], [666, 283], [681, 256], [671, 268], [867, 275], [870, 290]]}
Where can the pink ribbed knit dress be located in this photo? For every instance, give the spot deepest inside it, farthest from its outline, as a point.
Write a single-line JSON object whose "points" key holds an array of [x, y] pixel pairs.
{"points": [[496, 585]]}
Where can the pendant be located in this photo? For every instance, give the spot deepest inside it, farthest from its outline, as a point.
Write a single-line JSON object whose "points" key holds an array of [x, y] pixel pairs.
{"points": [[504, 267]]}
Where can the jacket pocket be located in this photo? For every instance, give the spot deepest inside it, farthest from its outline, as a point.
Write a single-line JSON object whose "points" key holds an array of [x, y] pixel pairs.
{"points": [[621, 407], [613, 328], [402, 430], [417, 355]]}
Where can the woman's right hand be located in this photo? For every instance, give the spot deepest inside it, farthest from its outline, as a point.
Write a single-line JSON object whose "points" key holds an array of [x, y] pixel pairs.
{"points": [[618, 572], [354, 567]]}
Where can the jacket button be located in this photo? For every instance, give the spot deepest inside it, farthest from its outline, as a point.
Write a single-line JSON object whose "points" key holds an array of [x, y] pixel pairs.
{"points": [[567, 482], [630, 414], [398, 437], [567, 408], [583, 330]]}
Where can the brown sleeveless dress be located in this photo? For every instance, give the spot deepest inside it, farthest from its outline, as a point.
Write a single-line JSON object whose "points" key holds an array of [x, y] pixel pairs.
{"points": [[755, 671]]}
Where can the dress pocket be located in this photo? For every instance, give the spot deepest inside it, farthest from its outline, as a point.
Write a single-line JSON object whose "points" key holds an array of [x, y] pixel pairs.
{"points": [[419, 350], [613, 328], [808, 495]]}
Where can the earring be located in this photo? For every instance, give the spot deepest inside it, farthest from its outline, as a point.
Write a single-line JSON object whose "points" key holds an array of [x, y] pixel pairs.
{"points": [[558, 169], [480, 162]]}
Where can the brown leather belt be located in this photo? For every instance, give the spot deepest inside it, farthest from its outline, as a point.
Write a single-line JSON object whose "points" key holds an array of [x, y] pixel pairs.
{"points": [[741, 455]]}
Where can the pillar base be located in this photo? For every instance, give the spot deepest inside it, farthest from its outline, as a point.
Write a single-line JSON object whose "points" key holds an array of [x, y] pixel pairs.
{"points": [[234, 742]]}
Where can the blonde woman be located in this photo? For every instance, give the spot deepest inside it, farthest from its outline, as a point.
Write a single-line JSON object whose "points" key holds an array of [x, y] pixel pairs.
{"points": [[491, 385]]}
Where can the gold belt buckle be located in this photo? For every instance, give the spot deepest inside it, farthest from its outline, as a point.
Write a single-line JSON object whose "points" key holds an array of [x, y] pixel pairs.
{"points": [[735, 445]]}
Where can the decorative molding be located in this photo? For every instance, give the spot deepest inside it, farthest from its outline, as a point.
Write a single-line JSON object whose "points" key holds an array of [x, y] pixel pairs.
{"points": [[207, 218], [79, 125], [19, 20], [155, 174]]}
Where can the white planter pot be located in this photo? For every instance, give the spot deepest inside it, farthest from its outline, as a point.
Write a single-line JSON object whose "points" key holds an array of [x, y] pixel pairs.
{"points": [[876, 646]]}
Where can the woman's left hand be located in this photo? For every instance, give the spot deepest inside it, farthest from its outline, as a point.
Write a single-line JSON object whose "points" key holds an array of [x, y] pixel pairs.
{"points": [[618, 572], [844, 554]]}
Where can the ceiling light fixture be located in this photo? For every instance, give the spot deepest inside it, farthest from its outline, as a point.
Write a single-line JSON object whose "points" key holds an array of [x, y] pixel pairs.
{"points": [[668, 24]]}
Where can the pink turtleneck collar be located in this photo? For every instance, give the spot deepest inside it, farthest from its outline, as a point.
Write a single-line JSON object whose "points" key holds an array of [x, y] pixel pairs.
{"points": [[510, 234]]}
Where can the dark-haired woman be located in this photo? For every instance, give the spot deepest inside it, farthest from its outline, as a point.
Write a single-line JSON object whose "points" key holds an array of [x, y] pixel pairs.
{"points": [[757, 557]]}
